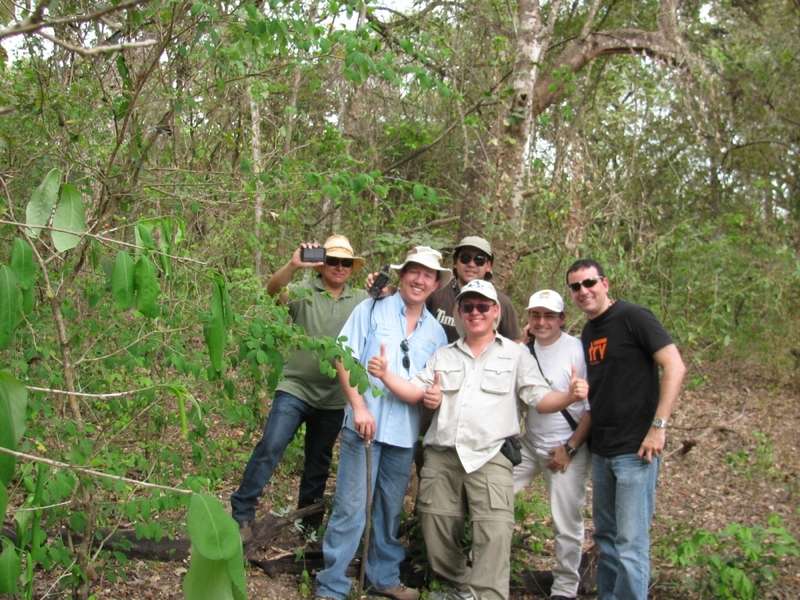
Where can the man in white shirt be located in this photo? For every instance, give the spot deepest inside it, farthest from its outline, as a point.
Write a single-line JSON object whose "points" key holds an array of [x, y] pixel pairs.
{"points": [[553, 444]]}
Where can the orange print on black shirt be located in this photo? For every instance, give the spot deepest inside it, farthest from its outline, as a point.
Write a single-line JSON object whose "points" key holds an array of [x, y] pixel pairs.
{"points": [[597, 351]]}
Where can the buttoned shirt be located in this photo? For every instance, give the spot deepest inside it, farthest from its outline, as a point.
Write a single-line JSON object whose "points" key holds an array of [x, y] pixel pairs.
{"points": [[376, 322], [480, 397]]}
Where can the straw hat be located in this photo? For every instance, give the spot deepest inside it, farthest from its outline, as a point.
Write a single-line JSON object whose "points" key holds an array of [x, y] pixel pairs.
{"points": [[339, 246]]}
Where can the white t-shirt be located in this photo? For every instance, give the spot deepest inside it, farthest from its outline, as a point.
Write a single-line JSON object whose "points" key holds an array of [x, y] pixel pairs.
{"points": [[548, 431]]}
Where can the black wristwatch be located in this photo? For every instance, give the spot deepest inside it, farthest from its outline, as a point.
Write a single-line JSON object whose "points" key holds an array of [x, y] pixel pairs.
{"points": [[570, 450]]}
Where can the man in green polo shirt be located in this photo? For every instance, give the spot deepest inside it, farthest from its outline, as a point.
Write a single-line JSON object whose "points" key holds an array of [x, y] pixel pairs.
{"points": [[305, 395]]}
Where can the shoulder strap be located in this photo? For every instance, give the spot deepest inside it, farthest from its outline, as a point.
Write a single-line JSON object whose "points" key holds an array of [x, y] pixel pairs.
{"points": [[564, 412]]}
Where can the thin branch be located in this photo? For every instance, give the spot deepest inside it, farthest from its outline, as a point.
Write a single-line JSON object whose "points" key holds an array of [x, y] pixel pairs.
{"points": [[97, 49], [86, 394], [102, 238], [92, 472], [35, 22]]}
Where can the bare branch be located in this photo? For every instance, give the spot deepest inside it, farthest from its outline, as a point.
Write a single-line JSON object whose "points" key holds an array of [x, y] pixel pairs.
{"points": [[61, 465], [35, 21], [97, 49]]}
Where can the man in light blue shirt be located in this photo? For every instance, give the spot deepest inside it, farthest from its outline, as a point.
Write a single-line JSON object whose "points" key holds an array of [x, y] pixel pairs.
{"points": [[400, 328]]}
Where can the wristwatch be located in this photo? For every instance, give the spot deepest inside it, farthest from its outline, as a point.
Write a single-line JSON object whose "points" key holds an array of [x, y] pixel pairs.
{"points": [[660, 423], [570, 450]]}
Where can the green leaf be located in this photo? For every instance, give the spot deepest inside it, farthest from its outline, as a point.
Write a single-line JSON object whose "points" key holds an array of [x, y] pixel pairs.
{"points": [[215, 340], [418, 190], [122, 280], [144, 235], [69, 216], [28, 300], [207, 579], [3, 499], [10, 301], [22, 263], [13, 401], [10, 568], [147, 289], [213, 531], [41, 203]]}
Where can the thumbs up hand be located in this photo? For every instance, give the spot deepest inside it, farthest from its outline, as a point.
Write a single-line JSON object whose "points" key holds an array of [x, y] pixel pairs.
{"points": [[578, 388], [377, 365], [433, 395]]}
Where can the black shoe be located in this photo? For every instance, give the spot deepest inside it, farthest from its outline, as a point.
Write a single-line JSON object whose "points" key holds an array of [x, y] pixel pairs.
{"points": [[563, 597]]}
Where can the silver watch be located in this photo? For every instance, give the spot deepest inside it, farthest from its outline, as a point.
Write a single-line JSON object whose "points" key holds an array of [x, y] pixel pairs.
{"points": [[660, 423]]}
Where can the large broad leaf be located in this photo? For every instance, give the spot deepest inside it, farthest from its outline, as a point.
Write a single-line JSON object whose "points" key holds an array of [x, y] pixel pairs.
{"points": [[122, 280], [3, 499], [165, 245], [22, 262], [10, 568], [207, 579], [10, 302], [13, 400], [147, 289], [213, 531], [215, 332], [16, 402], [69, 216], [42, 201]]}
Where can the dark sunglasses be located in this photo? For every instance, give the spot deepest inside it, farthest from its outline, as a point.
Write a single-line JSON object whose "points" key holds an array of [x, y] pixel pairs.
{"points": [[483, 307], [406, 360], [588, 283], [332, 261], [466, 258]]}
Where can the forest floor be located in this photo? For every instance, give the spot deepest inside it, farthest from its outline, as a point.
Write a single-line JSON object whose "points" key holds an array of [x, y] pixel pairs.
{"points": [[741, 467]]}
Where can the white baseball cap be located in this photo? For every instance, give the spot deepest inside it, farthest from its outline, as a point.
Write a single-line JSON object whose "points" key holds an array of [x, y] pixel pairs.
{"points": [[547, 299]]}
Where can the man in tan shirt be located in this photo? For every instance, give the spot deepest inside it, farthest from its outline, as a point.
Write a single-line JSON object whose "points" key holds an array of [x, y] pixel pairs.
{"points": [[475, 384]]}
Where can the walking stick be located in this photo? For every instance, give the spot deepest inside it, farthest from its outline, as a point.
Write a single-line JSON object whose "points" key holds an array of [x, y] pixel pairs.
{"points": [[369, 520]]}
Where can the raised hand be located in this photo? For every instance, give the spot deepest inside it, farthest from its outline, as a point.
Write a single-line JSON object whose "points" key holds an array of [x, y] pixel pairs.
{"points": [[578, 388], [433, 395], [377, 365]]}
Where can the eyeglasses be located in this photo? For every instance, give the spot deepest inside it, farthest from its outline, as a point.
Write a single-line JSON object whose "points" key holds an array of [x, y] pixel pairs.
{"points": [[406, 359], [588, 283], [483, 307], [332, 261], [543, 317], [466, 258]]}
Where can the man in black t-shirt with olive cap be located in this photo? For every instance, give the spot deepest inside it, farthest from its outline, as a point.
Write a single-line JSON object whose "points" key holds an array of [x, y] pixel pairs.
{"points": [[472, 259]]}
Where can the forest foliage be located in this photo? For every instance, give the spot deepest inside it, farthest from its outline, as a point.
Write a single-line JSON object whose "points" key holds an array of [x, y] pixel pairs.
{"points": [[158, 159]]}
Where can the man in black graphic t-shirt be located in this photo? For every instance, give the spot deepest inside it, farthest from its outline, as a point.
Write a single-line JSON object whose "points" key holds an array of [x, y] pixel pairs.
{"points": [[625, 345]]}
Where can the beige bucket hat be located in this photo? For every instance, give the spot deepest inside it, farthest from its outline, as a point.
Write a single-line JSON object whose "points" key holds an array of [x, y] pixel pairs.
{"points": [[427, 257]]}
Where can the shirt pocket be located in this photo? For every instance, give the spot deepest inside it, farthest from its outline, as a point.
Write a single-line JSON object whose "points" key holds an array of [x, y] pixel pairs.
{"points": [[450, 376], [497, 377]]}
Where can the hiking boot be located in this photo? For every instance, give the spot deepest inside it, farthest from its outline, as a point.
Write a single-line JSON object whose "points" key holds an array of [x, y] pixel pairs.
{"points": [[398, 592], [246, 531]]}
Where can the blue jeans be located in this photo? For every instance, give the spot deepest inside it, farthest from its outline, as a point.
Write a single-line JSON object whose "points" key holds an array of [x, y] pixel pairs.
{"points": [[623, 500], [391, 469], [287, 414]]}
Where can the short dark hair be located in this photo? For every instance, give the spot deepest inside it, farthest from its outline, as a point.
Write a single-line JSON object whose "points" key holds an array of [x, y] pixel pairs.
{"points": [[584, 263]]}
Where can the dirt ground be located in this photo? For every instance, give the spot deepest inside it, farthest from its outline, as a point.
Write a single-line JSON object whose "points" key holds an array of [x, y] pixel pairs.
{"points": [[742, 463]]}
